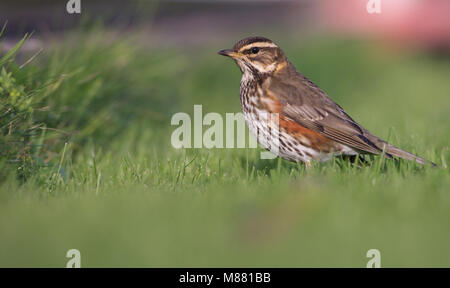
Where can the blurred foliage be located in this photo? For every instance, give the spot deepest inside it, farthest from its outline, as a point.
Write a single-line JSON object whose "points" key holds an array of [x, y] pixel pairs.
{"points": [[87, 89], [18, 129]]}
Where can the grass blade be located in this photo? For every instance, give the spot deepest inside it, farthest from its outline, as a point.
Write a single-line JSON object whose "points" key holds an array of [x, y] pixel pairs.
{"points": [[11, 53]]}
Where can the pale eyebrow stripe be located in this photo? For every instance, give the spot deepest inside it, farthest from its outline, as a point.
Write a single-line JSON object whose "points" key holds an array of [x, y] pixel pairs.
{"points": [[258, 44]]}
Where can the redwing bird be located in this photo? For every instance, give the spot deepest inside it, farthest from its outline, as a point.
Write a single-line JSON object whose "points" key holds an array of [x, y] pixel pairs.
{"points": [[309, 125]]}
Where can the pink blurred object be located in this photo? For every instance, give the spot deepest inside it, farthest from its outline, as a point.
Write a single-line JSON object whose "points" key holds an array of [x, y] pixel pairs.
{"points": [[424, 23]]}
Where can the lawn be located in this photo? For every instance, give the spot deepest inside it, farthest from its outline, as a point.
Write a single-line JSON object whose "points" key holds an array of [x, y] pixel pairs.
{"points": [[106, 180]]}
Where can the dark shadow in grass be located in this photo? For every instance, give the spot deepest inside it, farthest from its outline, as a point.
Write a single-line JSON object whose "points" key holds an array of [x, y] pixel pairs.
{"points": [[265, 166], [378, 162], [269, 167], [353, 160]]}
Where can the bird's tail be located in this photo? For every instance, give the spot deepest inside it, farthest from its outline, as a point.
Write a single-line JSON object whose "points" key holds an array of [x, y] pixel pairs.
{"points": [[392, 151], [397, 152]]}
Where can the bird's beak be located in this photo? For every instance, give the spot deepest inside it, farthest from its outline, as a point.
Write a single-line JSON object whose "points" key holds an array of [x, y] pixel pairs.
{"points": [[229, 53]]}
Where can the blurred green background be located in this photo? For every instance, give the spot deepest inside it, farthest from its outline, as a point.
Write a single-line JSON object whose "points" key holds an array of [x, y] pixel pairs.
{"points": [[86, 159]]}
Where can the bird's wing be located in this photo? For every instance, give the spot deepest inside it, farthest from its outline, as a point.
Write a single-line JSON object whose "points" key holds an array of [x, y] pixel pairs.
{"points": [[307, 105]]}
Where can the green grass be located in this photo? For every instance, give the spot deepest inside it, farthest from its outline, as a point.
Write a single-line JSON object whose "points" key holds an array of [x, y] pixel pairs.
{"points": [[124, 197]]}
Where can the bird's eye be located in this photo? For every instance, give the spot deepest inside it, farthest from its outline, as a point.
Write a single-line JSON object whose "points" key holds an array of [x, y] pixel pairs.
{"points": [[255, 50]]}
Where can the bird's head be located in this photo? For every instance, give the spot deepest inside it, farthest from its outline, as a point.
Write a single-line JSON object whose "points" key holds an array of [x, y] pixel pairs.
{"points": [[256, 55]]}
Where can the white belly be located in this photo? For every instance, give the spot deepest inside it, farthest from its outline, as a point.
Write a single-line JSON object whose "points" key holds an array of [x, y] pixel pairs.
{"points": [[264, 128]]}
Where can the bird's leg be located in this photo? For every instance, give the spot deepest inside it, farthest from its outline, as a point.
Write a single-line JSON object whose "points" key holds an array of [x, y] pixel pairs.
{"points": [[356, 160]]}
